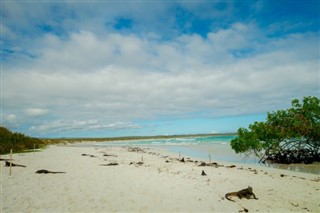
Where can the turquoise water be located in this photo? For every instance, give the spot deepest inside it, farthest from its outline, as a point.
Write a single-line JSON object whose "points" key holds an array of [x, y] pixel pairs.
{"points": [[206, 140], [205, 147]]}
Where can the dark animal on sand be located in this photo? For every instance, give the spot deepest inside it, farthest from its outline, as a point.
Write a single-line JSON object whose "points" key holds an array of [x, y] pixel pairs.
{"points": [[140, 163], [110, 155], [13, 164], [110, 164], [93, 156], [43, 171], [244, 193]]}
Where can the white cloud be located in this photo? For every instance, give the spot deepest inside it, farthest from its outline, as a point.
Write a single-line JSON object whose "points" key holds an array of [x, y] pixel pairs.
{"points": [[63, 126], [90, 77], [36, 112], [139, 78], [11, 117]]}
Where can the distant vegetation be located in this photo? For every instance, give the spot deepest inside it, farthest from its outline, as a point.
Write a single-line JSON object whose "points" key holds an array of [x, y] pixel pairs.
{"points": [[17, 142], [288, 136]]}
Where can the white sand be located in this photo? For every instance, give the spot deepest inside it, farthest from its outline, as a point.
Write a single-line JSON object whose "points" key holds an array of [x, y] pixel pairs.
{"points": [[155, 186]]}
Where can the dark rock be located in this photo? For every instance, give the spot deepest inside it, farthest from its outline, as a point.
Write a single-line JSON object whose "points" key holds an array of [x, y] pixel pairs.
{"points": [[202, 164]]}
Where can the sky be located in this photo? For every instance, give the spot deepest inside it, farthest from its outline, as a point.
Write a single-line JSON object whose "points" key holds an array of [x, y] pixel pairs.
{"points": [[119, 68]]}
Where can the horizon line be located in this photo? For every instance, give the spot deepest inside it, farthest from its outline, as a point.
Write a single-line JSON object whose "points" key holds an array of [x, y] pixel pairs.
{"points": [[139, 137]]}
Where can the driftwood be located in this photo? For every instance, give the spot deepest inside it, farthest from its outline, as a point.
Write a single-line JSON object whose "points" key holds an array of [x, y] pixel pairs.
{"points": [[43, 171], [136, 149], [110, 155], [214, 164], [93, 156], [13, 164], [4, 159], [140, 163], [110, 164], [232, 166]]}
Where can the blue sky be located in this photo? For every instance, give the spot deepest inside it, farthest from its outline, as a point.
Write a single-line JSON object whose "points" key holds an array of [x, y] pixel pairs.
{"points": [[118, 68]]}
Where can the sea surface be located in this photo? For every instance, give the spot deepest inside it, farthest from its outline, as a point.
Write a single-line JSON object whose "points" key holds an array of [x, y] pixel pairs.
{"points": [[208, 148]]}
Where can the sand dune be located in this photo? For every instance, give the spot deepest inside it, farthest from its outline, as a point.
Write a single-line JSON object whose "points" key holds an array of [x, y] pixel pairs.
{"points": [[160, 184]]}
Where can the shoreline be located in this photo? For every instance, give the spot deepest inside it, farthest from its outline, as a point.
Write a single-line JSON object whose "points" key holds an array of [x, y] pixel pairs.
{"points": [[220, 151], [111, 179], [228, 156]]}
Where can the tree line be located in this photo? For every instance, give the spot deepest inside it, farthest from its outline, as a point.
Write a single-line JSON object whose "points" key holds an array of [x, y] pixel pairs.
{"points": [[18, 142], [287, 136]]}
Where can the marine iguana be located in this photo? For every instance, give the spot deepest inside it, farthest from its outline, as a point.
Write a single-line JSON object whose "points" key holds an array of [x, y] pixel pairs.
{"points": [[13, 164], [43, 171], [247, 193], [110, 164]]}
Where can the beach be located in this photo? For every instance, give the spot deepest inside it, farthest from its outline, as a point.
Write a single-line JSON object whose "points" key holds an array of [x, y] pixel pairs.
{"points": [[127, 179]]}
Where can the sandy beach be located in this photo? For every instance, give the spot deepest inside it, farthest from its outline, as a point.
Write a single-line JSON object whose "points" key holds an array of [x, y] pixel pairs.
{"points": [[120, 179]]}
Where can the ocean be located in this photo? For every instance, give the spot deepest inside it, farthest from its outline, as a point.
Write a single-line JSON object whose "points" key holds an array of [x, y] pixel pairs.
{"points": [[207, 148]]}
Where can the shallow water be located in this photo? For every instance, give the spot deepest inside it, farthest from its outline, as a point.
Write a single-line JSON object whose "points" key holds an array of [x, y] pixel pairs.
{"points": [[216, 148], [223, 152]]}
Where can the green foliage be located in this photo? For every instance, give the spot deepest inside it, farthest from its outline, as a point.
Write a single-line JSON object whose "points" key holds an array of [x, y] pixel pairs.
{"points": [[18, 142], [294, 128]]}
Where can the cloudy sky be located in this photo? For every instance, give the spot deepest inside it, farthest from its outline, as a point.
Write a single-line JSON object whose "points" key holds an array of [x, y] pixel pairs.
{"points": [[116, 68]]}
